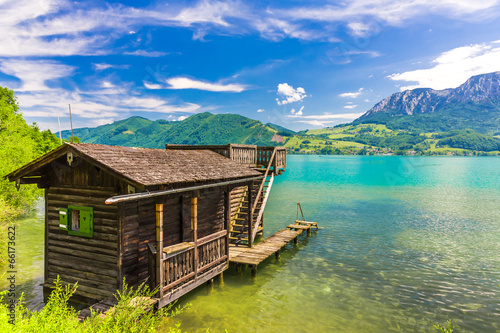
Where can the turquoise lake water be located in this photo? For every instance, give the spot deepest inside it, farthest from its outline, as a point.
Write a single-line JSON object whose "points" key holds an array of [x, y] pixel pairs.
{"points": [[407, 242]]}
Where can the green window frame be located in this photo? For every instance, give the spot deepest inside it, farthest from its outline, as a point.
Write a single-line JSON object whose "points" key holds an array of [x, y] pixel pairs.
{"points": [[79, 220], [63, 219]]}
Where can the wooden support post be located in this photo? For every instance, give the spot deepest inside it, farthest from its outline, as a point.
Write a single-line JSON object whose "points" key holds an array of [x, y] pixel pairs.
{"points": [[277, 254], [159, 249], [221, 278], [121, 216], [210, 283], [296, 240], [238, 268], [254, 270], [194, 227], [309, 231], [250, 214], [227, 215], [152, 266], [46, 244]]}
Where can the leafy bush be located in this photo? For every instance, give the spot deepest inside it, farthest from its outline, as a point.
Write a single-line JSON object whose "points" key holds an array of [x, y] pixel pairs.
{"points": [[131, 314]]}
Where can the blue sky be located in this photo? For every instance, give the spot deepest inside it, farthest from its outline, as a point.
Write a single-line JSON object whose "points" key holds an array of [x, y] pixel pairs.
{"points": [[299, 64]]}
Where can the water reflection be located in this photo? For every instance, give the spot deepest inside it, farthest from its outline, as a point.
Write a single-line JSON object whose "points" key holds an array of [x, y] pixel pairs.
{"points": [[29, 258]]}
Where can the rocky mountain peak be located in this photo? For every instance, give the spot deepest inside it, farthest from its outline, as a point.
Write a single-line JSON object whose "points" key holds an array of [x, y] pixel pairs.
{"points": [[424, 100]]}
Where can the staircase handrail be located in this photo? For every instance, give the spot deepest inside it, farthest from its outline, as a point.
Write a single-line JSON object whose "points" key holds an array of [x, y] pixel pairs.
{"points": [[259, 193]]}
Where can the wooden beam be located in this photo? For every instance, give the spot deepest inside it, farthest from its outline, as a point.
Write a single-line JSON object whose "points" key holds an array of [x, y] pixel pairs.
{"points": [[250, 214], [30, 180], [194, 228], [159, 248], [46, 245], [227, 215], [119, 260], [211, 237]]}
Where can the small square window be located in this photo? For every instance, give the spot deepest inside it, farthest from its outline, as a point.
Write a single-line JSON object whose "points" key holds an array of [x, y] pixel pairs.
{"points": [[82, 221]]}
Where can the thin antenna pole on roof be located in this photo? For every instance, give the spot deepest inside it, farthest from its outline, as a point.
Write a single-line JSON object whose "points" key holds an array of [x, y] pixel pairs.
{"points": [[71, 121], [59, 122]]}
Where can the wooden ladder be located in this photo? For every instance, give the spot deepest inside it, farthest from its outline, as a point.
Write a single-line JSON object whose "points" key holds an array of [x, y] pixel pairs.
{"points": [[238, 228], [302, 224]]}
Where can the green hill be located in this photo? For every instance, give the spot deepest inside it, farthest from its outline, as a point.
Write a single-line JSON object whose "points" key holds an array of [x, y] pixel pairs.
{"points": [[464, 120], [204, 128]]}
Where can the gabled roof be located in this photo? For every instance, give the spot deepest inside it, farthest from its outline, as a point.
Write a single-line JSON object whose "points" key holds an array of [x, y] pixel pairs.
{"points": [[147, 166]]}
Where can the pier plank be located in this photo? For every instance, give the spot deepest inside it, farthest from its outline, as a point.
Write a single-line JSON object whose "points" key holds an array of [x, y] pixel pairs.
{"points": [[261, 251]]}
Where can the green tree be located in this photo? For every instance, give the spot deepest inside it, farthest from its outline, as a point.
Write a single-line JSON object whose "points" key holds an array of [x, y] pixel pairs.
{"points": [[20, 143]]}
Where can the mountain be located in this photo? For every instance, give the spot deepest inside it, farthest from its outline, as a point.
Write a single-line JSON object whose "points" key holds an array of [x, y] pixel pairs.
{"points": [[204, 128], [473, 105], [281, 130]]}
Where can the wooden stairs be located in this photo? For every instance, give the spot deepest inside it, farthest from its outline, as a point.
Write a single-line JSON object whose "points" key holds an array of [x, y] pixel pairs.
{"points": [[239, 228]]}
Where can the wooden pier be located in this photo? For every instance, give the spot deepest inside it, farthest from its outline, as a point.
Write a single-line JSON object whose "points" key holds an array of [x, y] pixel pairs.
{"points": [[253, 256]]}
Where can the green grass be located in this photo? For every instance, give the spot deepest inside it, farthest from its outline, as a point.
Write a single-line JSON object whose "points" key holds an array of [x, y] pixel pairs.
{"points": [[131, 314]]}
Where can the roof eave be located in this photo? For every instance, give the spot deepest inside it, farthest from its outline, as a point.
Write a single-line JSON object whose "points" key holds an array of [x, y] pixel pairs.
{"points": [[57, 153]]}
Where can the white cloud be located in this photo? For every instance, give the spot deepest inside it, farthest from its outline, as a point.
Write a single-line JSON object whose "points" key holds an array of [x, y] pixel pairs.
{"points": [[41, 98], [299, 113], [454, 67], [145, 53], [153, 104], [290, 94], [35, 74], [353, 94], [152, 86], [187, 83], [181, 118], [360, 29], [53, 28], [277, 29], [350, 106], [261, 110], [393, 12], [205, 12], [64, 28], [107, 84], [103, 66], [312, 122], [329, 116], [326, 119]]}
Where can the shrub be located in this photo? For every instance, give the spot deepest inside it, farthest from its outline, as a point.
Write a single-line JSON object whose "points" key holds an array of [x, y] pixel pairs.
{"points": [[131, 314]]}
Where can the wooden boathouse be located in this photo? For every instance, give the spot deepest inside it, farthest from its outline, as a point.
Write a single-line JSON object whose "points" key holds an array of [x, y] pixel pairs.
{"points": [[164, 215]]}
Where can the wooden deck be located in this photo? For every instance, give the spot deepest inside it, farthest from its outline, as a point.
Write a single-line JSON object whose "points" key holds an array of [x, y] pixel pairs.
{"points": [[261, 251], [253, 256]]}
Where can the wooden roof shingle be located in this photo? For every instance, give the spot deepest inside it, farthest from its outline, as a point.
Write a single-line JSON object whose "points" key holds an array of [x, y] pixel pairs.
{"points": [[149, 167]]}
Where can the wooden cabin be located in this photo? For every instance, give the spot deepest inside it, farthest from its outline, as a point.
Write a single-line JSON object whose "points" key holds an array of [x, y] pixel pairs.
{"points": [[163, 215]]}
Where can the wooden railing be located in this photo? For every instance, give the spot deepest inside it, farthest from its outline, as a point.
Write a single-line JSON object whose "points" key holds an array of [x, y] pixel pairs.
{"points": [[249, 155], [244, 154], [280, 158], [183, 262]]}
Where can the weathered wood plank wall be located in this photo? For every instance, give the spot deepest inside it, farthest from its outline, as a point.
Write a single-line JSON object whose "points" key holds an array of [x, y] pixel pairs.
{"points": [[90, 261], [139, 226]]}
